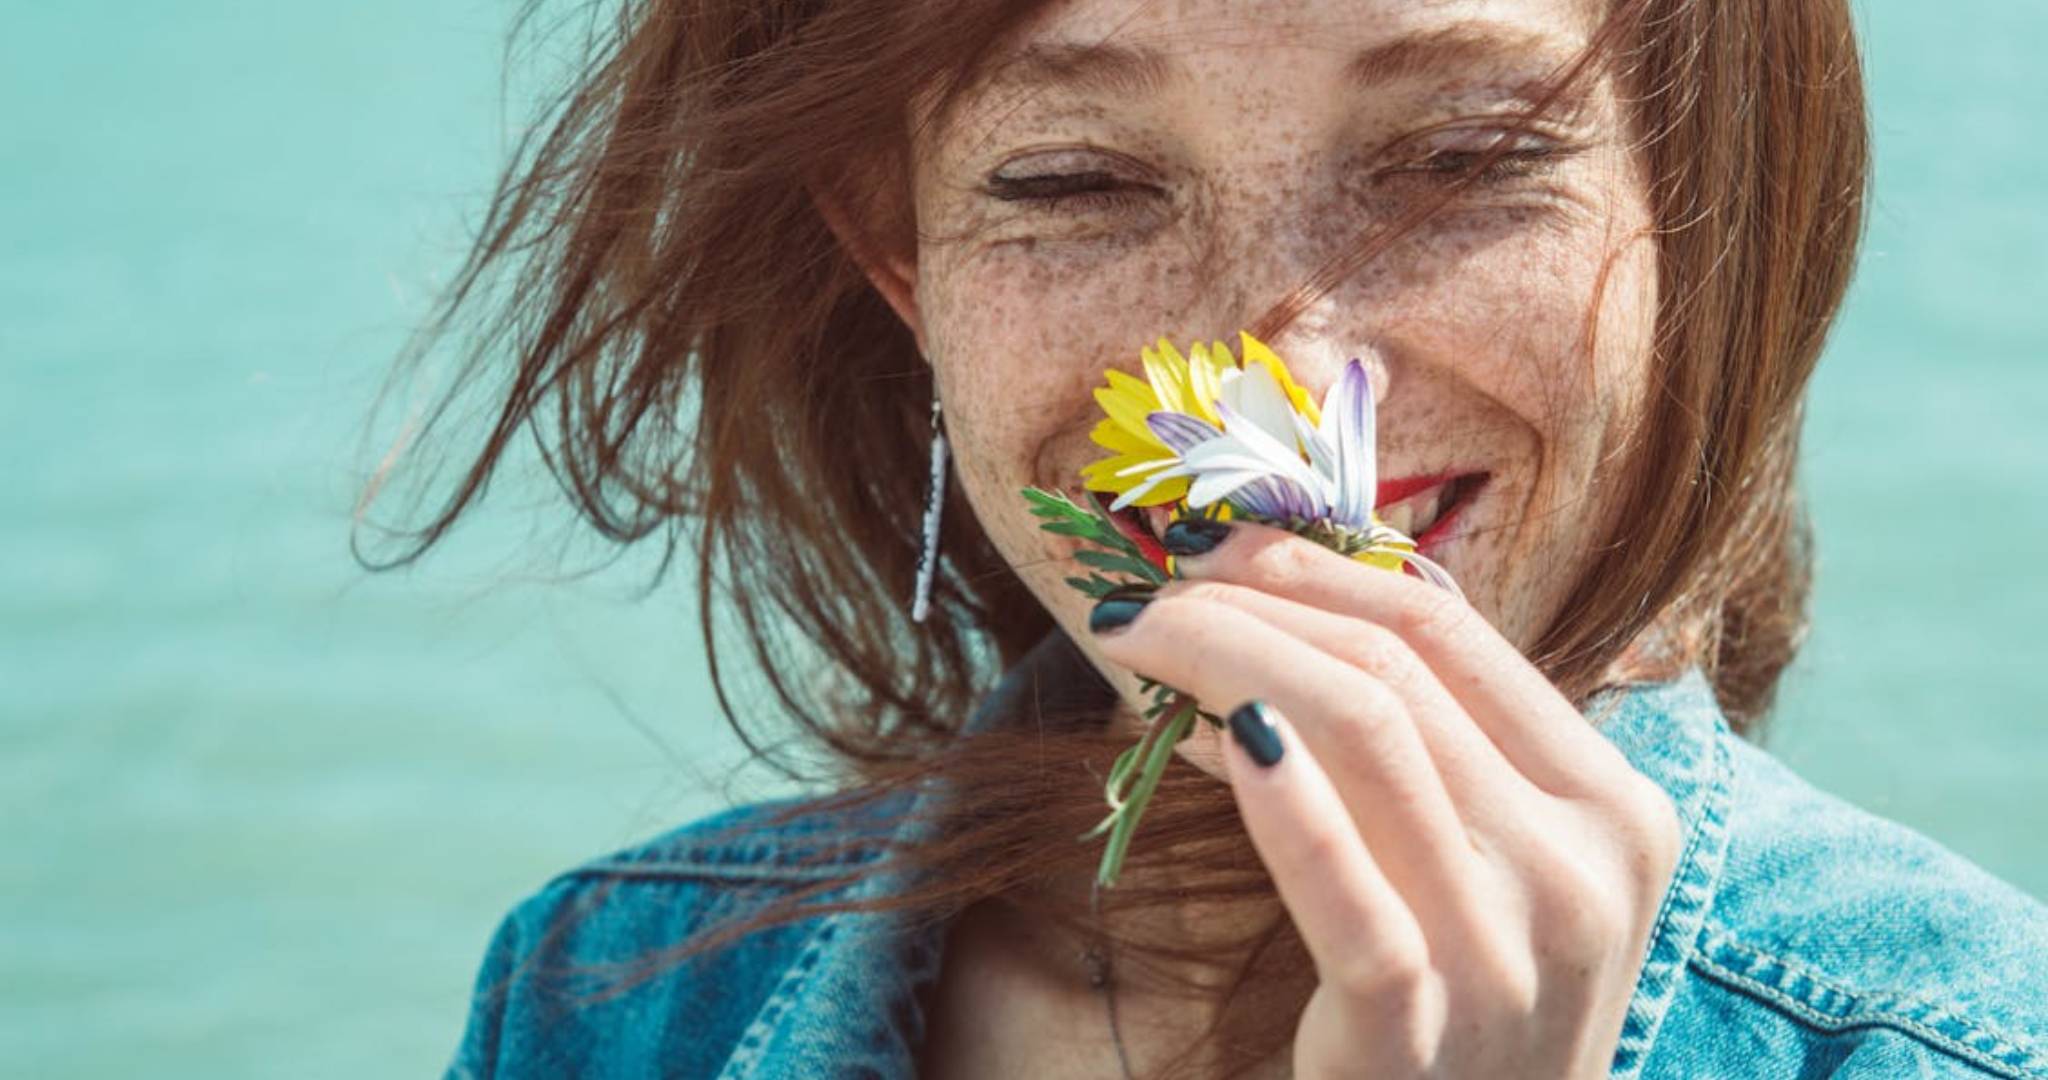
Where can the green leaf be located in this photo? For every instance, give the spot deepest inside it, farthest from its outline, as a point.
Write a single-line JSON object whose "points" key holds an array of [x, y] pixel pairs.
{"points": [[1095, 586], [1122, 564]]}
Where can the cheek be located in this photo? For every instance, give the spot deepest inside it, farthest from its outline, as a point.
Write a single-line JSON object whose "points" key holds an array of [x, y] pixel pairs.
{"points": [[1020, 335], [1504, 304]]}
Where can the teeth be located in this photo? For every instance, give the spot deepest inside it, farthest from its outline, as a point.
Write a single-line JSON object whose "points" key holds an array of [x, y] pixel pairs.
{"points": [[1416, 513], [1438, 501], [1400, 516], [1157, 518]]}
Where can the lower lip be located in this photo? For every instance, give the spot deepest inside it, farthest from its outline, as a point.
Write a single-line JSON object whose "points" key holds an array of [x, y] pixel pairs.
{"points": [[1439, 531]]}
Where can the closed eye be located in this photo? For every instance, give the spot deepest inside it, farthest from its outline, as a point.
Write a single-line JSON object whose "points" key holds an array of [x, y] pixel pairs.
{"points": [[1506, 167], [1452, 166], [1095, 189]]}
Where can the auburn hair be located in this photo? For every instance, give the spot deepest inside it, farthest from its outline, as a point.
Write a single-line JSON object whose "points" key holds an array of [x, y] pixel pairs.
{"points": [[655, 296]]}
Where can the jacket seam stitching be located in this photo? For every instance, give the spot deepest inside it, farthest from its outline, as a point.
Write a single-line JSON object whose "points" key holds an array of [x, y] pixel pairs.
{"points": [[1866, 1009], [754, 1040], [1690, 892]]}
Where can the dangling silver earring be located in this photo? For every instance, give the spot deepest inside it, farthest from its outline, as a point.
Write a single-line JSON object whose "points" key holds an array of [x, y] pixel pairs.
{"points": [[928, 560]]}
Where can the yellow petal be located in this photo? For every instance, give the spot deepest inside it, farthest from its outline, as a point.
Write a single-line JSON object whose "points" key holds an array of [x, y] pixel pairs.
{"points": [[1112, 436], [1102, 475], [1167, 491], [1167, 373], [1205, 380], [1127, 401], [1255, 351], [1385, 560]]}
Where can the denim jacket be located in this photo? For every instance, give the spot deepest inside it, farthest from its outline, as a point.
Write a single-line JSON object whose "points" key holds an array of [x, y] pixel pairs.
{"points": [[1799, 937]]}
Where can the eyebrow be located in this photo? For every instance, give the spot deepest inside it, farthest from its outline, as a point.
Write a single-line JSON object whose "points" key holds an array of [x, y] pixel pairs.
{"points": [[1109, 69]]}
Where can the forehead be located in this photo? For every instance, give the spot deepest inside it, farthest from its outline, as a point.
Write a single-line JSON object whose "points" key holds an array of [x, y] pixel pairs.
{"points": [[1129, 50]]}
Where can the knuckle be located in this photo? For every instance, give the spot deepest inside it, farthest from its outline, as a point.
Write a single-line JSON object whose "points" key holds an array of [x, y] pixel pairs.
{"points": [[1378, 650], [1392, 972], [1372, 714], [1595, 920], [1430, 613], [1649, 824], [1583, 905], [1320, 847], [1175, 609], [1375, 701], [1285, 562], [1515, 988]]}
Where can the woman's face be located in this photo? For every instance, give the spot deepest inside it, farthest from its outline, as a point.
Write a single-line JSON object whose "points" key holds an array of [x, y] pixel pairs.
{"points": [[1174, 169]]}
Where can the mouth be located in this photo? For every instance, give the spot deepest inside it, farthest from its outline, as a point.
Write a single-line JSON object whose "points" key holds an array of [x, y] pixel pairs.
{"points": [[1422, 507], [1425, 507]]}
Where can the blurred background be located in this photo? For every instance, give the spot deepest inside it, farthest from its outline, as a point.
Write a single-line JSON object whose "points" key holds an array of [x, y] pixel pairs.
{"points": [[264, 808]]}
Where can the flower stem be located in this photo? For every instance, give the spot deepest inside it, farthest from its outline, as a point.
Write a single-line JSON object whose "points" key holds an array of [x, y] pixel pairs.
{"points": [[1123, 818]]}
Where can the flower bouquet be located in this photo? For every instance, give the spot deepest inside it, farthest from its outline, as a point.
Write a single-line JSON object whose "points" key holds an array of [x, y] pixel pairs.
{"points": [[1223, 436]]}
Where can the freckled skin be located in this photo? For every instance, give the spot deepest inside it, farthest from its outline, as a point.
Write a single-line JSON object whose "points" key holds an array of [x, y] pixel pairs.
{"points": [[1244, 177]]}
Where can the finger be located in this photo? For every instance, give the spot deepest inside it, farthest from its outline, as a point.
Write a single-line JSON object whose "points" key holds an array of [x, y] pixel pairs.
{"points": [[1355, 725], [1354, 922], [1518, 708], [1480, 779]]}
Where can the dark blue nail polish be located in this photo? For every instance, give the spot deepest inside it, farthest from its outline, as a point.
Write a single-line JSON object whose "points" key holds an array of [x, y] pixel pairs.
{"points": [[1193, 536], [1117, 608], [1254, 731]]}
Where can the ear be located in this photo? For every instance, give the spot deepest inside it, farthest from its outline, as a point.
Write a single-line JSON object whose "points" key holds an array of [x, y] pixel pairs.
{"points": [[892, 276]]}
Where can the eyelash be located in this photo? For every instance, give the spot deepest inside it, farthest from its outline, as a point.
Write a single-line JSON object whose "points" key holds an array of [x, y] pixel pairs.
{"points": [[1087, 190], [1511, 165], [1068, 190]]}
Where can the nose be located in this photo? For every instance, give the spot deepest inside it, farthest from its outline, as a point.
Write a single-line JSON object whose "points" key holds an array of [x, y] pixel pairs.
{"points": [[1316, 351]]}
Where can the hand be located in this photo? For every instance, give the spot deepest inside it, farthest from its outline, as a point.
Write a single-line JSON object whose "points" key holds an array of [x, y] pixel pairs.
{"points": [[1474, 869]]}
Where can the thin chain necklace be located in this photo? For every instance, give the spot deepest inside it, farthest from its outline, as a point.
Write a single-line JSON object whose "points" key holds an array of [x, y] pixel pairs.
{"points": [[1102, 977]]}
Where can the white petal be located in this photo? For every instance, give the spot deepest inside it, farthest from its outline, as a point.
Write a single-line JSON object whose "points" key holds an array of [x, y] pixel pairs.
{"points": [[1321, 456], [1283, 461], [1258, 398], [1432, 572], [1231, 452], [1145, 466], [1138, 491], [1349, 424], [1211, 486]]}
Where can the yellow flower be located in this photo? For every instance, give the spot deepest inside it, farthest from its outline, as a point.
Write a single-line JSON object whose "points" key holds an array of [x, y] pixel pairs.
{"points": [[1217, 432], [1188, 385]]}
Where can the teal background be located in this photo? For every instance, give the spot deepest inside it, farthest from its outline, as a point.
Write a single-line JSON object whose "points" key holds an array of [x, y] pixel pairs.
{"points": [[262, 809]]}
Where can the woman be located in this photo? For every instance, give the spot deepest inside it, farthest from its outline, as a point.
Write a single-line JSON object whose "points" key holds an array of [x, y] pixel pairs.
{"points": [[1591, 253]]}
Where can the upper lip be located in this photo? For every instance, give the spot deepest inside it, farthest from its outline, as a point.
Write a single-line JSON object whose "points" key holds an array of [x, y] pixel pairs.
{"points": [[1417, 505], [1393, 491]]}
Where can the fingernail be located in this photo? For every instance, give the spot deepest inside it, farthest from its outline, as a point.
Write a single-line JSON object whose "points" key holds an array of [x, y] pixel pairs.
{"points": [[1117, 608], [1254, 731], [1194, 536]]}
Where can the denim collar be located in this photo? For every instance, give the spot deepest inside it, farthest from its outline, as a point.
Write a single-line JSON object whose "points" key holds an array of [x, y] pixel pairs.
{"points": [[851, 1002]]}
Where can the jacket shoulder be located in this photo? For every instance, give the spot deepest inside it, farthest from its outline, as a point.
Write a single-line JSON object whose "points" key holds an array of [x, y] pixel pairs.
{"points": [[586, 976], [1863, 936]]}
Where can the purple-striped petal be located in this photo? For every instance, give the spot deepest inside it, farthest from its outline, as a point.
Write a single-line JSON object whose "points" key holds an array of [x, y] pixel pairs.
{"points": [[1348, 413], [1273, 499], [1179, 431], [1211, 486]]}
